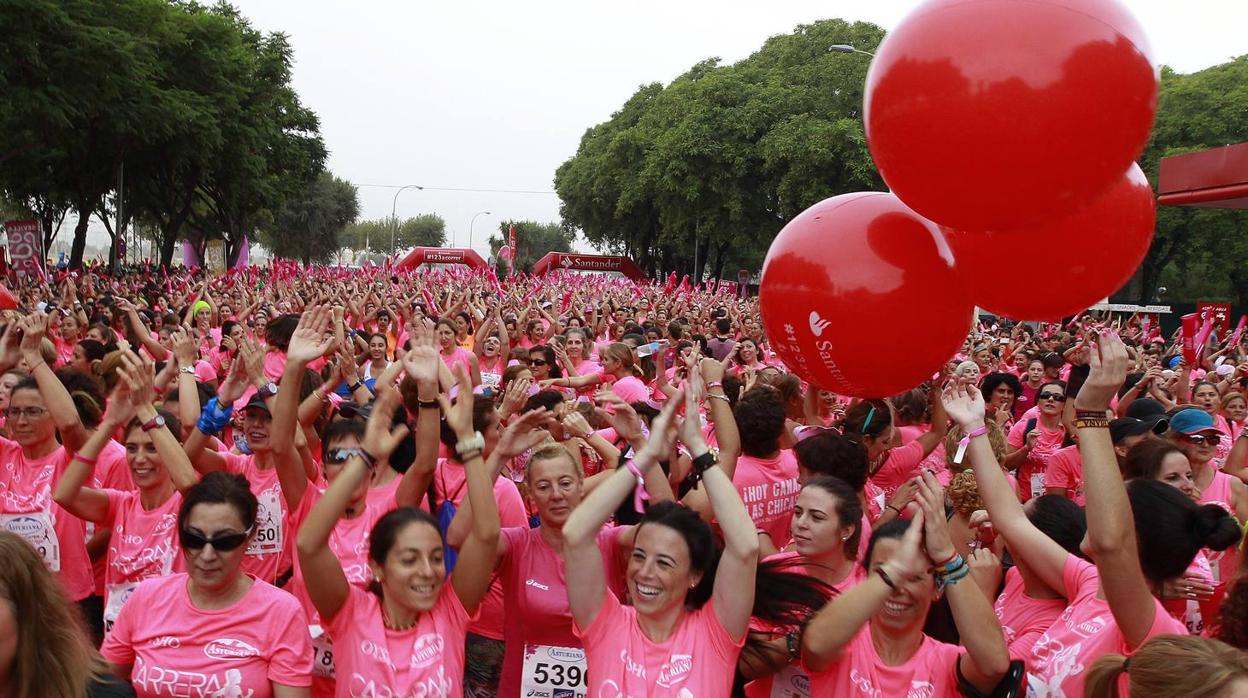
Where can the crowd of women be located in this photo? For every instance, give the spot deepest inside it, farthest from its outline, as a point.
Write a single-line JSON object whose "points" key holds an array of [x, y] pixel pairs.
{"points": [[326, 483]]}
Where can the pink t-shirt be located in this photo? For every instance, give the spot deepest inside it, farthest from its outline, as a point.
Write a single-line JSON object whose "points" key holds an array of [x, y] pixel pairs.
{"points": [[179, 650], [696, 661], [538, 620], [859, 671], [424, 660], [1083, 632], [1023, 618], [769, 488], [449, 483], [271, 552], [1222, 563], [458, 357], [27, 509], [631, 389], [112, 472], [1031, 471], [901, 464], [144, 544], [1065, 470]]}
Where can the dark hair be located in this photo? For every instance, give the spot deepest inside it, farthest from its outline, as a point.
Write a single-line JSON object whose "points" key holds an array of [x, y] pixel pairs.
{"points": [[220, 487], [548, 353], [913, 406], [760, 419], [545, 399], [226, 328], [893, 528], [93, 350], [87, 392], [1144, 458], [848, 509], [856, 422], [1061, 519], [833, 454], [482, 408], [1052, 360], [723, 325], [1232, 623], [992, 381], [386, 531], [1060, 384], [278, 331], [339, 430], [1171, 528]]}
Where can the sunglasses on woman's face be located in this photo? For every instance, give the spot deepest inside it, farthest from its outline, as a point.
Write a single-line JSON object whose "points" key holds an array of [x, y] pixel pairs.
{"points": [[1056, 397], [1203, 439], [337, 456], [222, 544], [537, 362]]}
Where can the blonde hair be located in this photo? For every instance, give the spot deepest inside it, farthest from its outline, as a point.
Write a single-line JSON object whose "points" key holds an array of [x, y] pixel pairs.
{"points": [[1171, 665], [996, 439], [624, 354], [54, 658], [551, 451]]}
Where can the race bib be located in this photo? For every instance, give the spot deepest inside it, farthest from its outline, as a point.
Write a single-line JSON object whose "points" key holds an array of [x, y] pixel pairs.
{"points": [[268, 538], [1037, 484], [322, 652], [36, 527], [117, 595], [558, 672], [790, 682]]}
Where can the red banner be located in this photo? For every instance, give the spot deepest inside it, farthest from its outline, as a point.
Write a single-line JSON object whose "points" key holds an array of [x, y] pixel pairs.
{"points": [[1219, 312], [511, 255], [1190, 324], [25, 247]]}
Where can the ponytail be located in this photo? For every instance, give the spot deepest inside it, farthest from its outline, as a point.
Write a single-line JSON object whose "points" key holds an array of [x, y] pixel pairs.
{"points": [[1170, 665], [1102, 681]]}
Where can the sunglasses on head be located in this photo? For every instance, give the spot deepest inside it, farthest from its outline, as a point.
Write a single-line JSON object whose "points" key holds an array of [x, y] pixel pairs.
{"points": [[537, 362], [1202, 439], [222, 544], [338, 456], [1056, 397]]}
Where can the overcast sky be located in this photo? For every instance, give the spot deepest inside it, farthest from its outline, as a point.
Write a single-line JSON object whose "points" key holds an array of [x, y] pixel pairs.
{"points": [[496, 95]]}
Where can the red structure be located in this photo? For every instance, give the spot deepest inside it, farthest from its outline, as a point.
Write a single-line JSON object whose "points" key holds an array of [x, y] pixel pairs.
{"points": [[1214, 178], [589, 262], [442, 255]]}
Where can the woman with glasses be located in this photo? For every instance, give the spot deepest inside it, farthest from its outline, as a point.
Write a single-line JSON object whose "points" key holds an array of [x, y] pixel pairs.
{"points": [[40, 408], [1206, 396], [1196, 435], [542, 363], [212, 630], [144, 542], [1033, 439]]}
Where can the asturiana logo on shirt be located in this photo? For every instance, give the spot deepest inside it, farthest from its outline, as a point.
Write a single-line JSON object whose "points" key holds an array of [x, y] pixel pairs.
{"points": [[230, 648], [426, 650], [676, 669]]}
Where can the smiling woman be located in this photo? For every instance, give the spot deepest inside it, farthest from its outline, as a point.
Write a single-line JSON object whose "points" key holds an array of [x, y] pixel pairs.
{"points": [[176, 629]]}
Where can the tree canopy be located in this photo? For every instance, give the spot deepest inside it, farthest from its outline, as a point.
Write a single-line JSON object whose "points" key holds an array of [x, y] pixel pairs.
{"points": [[534, 239], [189, 101], [310, 225]]}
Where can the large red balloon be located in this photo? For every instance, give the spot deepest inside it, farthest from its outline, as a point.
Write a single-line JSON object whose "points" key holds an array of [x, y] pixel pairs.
{"points": [[860, 296], [996, 114], [1058, 269]]}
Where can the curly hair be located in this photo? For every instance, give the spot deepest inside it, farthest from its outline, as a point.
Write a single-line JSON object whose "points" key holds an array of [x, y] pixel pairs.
{"points": [[1232, 621]]}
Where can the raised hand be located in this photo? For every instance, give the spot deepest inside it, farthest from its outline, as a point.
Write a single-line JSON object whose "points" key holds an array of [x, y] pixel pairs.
{"points": [[523, 433], [931, 500], [1108, 360], [623, 418], [138, 373], [184, 348], [311, 339], [964, 404], [33, 327], [381, 436], [422, 363], [459, 415]]}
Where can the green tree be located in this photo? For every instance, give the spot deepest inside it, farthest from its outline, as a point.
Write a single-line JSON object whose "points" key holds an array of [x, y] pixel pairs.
{"points": [[425, 230], [534, 239], [701, 174], [310, 225], [1206, 109]]}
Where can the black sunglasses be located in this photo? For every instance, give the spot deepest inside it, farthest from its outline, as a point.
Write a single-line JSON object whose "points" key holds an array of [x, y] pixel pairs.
{"points": [[336, 456], [1057, 397], [222, 544], [537, 362]]}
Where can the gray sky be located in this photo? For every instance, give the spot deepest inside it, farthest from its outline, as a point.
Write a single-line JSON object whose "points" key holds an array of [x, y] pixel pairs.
{"points": [[494, 95]]}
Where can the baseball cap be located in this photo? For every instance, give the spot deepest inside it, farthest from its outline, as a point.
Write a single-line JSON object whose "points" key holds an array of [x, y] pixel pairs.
{"points": [[257, 402], [353, 410], [1192, 421], [1145, 407], [1125, 427]]}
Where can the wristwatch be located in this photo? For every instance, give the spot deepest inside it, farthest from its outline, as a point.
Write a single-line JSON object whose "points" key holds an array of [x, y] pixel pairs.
{"points": [[476, 442], [154, 423], [267, 390]]}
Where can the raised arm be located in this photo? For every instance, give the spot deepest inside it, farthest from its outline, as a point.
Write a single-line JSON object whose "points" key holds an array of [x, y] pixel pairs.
{"points": [[61, 406], [310, 340], [71, 491], [421, 363], [1111, 528], [138, 374]]}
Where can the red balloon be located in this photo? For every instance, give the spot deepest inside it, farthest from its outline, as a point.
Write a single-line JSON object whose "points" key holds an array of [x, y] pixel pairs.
{"points": [[7, 300], [1069, 264], [860, 296], [997, 114]]}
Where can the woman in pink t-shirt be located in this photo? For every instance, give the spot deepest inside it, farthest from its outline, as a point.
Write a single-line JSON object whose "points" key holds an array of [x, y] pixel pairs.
{"points": [[870, 422], [1111, 604], [40, 409], [1031, 443], [619, 365], [671, 641], [870, 637], [406, 632], [144, 539], [212, 628], [826, 529], [454, 355], [491, 347], [745, 355]]}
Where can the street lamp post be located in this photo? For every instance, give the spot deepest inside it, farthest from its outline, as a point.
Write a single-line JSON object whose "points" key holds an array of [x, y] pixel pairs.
{"points": [[394, 222], [846, 48], [474, 220]]}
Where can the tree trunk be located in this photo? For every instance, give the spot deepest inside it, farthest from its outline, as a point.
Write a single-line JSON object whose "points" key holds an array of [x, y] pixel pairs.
{"points": [[721, 251], [80, 235], [168, 239]]}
